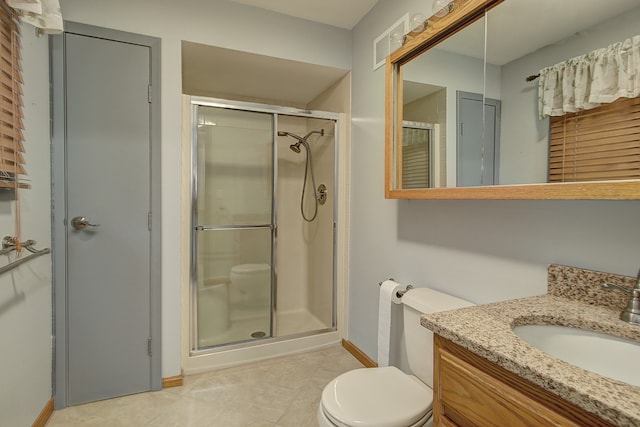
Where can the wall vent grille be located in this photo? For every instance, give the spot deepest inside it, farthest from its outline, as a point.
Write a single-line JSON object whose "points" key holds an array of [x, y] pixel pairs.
{"points": [[384, 44]]}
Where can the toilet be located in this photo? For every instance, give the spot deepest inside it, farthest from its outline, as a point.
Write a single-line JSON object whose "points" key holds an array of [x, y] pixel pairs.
{"points": [[386, 396], [251, 285]]}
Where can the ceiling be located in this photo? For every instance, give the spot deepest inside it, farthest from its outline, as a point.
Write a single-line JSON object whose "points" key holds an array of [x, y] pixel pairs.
{"points": [[339, 13], [536, 23]]}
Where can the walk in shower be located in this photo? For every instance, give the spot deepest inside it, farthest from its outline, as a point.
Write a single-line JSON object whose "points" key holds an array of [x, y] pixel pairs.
{"points": [[263, 224]]}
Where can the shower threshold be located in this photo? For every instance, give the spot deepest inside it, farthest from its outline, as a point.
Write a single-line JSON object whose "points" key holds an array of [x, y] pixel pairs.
{"points": [[244, 329]]}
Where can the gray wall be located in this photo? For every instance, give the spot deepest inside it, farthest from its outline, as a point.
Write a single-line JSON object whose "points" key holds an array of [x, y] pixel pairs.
{"points": [[25, 293], [479, 250]]}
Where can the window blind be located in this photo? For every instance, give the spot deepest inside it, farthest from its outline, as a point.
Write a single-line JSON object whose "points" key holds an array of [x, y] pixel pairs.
{"points": [[415, 157], [11, 119], [415, 166], [602, 143]]}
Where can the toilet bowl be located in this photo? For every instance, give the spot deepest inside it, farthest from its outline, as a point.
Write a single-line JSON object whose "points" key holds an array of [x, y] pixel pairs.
{"points": [[375, 397], [386, 396], [251, 285]]}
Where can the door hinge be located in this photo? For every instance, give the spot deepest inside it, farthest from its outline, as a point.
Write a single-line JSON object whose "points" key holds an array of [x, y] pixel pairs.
{"points": [[149, 94], [149, 221], [149, 346]]}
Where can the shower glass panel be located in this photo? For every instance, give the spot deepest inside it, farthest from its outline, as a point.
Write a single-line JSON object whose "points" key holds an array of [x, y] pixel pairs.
{"points": [[258, 169], [234, 225]]}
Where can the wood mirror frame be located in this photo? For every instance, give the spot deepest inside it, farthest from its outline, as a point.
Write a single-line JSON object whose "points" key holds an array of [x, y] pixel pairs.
{"points": [[467, 12]]}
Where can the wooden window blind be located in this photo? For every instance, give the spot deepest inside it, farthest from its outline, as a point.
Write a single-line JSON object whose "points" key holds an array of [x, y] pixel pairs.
{"points": [[598, 144], [11, 124]]}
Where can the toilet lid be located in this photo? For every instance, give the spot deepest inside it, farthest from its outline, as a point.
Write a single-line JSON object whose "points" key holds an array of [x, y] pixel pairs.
{"points": [[376, 397]]}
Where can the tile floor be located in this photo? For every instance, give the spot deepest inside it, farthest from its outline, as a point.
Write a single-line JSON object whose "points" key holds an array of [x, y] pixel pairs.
{"points": [[282, 392]]}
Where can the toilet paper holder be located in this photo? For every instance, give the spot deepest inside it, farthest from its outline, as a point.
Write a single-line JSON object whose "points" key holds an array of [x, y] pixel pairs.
{"points": [[400, 293]]}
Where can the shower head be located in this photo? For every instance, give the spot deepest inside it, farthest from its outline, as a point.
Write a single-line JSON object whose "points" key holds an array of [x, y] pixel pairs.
{"points": [[301, 140], [295, 147]]}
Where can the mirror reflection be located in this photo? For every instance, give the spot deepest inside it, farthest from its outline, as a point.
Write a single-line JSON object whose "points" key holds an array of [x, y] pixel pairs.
{"points": [[468, 120]]}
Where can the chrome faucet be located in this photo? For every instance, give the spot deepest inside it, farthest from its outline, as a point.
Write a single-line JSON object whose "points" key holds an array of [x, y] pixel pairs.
{"points": [[631, 313]]}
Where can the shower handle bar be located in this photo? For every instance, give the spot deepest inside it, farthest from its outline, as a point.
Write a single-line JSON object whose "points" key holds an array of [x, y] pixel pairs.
{"points": [[234, 227]]}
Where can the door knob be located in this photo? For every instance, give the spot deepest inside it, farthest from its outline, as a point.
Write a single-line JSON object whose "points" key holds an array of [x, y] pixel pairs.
{"points": [[80, 223]]}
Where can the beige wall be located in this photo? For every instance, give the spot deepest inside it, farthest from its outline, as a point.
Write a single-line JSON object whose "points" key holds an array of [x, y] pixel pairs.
{"points": [[292, 254], [304, 255], [321, 298]]}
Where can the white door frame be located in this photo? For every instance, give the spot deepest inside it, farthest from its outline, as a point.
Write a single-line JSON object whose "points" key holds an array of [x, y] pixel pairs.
{"points": [[58, 179]]}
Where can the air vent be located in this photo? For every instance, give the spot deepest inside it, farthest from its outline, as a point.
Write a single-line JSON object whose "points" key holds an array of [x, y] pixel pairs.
{"points": [[384, 44]]}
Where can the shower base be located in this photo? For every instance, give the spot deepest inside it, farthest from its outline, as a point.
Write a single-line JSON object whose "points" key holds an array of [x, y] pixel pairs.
{"points": [[296, 322], [248, 327], [298, 331]]}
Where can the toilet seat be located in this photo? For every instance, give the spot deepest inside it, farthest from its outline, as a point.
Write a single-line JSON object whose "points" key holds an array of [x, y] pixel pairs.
{"points": [[250, 268], [327, 421], [377, 397]]}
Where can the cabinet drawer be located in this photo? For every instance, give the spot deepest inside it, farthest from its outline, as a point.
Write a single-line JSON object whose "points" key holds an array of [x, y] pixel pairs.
{"points": [[469, 390], [471, 397]]}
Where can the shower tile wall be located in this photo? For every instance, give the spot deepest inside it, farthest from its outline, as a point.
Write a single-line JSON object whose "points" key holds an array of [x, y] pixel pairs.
{"points": [[291, 250], [320, 296], [304, 250]]}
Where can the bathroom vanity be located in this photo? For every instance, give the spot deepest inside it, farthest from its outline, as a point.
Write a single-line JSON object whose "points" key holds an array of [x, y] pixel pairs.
{"points": [[472, 391], [486, 375]]}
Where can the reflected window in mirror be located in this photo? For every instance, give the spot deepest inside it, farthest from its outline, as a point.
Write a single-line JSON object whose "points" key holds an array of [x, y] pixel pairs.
{"points": [[596, 144], [568, 146], [420, 165], [423, 135]]}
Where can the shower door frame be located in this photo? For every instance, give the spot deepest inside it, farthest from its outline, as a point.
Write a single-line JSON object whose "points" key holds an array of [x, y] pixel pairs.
{"points": [[275, 111]]}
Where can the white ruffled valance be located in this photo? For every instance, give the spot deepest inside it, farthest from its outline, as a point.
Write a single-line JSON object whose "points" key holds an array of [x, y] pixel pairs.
{"points": [[586, 81], [43, 14]]}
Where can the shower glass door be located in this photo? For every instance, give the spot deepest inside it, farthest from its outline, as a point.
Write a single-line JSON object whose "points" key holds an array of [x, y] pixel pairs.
{"points": [[233, 233]]}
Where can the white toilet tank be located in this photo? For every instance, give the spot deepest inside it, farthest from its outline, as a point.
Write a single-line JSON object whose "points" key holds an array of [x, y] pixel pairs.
{"points": [[418, 339]]}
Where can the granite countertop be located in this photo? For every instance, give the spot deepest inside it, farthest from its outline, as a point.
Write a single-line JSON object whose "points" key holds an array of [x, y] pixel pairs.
{"points": [[486, 330]]}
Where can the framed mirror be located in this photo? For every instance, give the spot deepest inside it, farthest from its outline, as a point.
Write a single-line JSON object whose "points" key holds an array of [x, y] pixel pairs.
{"points": [[464, 104]]}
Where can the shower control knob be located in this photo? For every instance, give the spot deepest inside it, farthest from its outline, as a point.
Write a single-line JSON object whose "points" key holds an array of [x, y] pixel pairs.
{"points": [[321, 194], [80, 223]]}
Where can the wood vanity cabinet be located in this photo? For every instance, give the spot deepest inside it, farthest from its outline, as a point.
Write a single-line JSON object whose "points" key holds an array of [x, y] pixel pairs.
{"points": [[471, 391]]}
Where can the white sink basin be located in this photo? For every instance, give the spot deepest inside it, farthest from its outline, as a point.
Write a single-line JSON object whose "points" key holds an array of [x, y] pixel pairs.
{"points": [[603, 354]]}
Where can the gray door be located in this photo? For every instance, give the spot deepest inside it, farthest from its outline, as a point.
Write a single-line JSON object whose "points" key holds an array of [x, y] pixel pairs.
{"points": [[477, 147], [108, 184]]}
